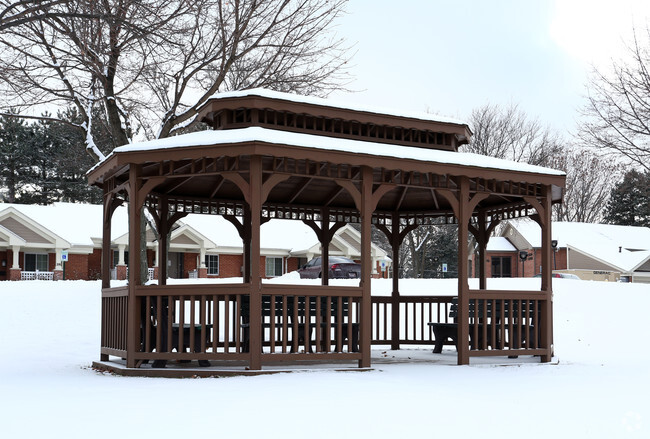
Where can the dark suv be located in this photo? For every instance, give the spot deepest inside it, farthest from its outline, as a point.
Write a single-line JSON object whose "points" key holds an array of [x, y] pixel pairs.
{"points": [[339, 268]]}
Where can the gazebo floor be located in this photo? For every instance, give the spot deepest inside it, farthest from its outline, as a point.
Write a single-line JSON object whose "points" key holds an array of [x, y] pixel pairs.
{"points": [[380, 357]]}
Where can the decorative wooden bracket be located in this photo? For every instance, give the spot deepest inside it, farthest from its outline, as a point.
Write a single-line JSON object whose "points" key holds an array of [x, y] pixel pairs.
{"points": [[540, 217], [355, 193]]}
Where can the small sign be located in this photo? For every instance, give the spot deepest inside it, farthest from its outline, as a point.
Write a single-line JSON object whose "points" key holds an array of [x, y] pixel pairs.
{"points": [[64, 256], [383, 265], [444, 268]]}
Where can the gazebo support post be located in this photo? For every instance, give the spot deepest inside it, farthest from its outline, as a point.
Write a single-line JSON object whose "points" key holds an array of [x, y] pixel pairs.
{"points": [[463, 286], [463, 206], [395, 243], [544, 220], [133, 314], [106, 239], [106, 246], [325, 238], [163, 232], [366, 265], [482, 233], [325, 233], [395, 237], [255, 203]]}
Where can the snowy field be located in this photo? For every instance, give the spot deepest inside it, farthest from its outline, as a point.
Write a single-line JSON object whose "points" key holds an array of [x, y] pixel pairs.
{"points": [[597, 387]]}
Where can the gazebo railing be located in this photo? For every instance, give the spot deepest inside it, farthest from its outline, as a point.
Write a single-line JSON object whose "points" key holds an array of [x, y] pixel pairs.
{"points": [[311, 321], [213, 322], [114, 323], [415, 314], [203, 322], [508, 323], [500, 323]]}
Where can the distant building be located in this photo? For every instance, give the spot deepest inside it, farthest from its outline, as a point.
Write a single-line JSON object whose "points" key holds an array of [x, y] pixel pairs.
{"points": [[63, 241], [590, 251]]}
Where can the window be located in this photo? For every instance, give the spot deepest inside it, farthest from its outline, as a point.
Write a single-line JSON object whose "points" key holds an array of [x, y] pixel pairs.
{"points": [[212, 262], [116, 257], [36, 262], [273, 267], [501, 266]]}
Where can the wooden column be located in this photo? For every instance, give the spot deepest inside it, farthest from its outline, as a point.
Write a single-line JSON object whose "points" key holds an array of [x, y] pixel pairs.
{"points": [[547, 280], [133, 314], [543, 218], [163, 232], [325, 233], [325, 239], [395, 243], [245, 235], [255, 290], [395, 236], [463, 285], [463, 206], [366, 266], [106, 239]]}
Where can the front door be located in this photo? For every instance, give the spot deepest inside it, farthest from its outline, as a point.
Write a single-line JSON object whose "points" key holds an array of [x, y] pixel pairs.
{"points": [[175, 267]]}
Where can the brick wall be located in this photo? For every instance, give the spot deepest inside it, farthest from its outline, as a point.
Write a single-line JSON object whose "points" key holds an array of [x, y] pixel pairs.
{"points": [[292, 264], [77, 267], [230, 266], [95, 265], [189, 263]]}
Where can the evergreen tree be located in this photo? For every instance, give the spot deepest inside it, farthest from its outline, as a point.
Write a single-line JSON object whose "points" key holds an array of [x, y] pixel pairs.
{"points": [[629, 202], [16, 139]]}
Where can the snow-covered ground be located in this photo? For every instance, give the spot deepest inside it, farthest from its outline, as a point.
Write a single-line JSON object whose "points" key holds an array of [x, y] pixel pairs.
{"points": [[597, 387]]}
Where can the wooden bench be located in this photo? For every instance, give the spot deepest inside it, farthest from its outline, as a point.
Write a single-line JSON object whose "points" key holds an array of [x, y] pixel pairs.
{"points": [[443, 332], [188, 328], [296, 316]]}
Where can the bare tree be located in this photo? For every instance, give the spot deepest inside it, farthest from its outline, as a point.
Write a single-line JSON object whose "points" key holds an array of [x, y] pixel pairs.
{"points": [[589, 182], [618, 108], [508, 133], [16, 13], [149, 64]]}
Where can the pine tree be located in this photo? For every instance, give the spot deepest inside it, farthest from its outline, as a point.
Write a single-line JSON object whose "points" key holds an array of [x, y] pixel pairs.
{"points": [[629, 202], [16, 138]]}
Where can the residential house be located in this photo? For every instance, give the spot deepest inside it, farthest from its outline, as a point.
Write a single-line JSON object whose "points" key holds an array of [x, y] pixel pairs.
{"points": [[63, 241], [590, 251]]}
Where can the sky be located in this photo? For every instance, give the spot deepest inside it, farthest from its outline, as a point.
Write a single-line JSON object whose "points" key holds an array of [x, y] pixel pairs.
{"points": [[448, 57]]}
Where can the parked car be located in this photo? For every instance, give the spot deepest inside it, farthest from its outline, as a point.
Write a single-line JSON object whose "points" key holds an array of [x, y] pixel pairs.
{"points": [[339, 268]]}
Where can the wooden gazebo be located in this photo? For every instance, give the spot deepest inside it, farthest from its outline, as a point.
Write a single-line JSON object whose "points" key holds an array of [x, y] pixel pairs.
{"points": [[274, 155]]}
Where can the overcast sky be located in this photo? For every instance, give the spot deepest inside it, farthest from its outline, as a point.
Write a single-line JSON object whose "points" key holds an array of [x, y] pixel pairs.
{"points": [[449, 56]]}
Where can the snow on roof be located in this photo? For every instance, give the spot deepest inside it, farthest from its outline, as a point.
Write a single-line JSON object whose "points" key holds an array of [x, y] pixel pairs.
{"points": [[258, 134], [262, 92], [500, 244], [601, 241], [79, 223], [76, 223], [277, 234]]}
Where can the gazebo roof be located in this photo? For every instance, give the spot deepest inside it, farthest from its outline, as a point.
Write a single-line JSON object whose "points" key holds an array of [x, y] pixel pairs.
{"points": [[315, 142]]}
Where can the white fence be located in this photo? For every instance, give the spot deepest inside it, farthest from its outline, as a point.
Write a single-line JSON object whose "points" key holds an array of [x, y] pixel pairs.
{"points": [[150, 273], [36, 275]]}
